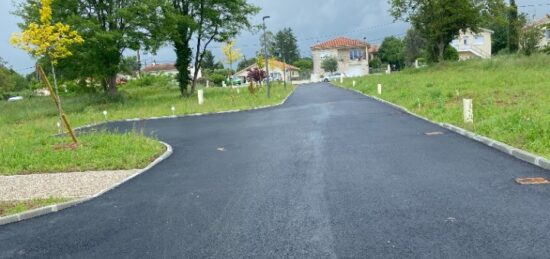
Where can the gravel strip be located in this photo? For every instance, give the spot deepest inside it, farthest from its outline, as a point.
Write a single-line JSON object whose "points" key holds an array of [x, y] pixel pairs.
{"points": [[62, 185]]}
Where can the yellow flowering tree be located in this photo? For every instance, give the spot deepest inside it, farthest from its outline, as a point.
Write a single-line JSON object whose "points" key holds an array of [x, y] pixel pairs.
{"points": [[47, 39], [51, 41], [232, 55]]}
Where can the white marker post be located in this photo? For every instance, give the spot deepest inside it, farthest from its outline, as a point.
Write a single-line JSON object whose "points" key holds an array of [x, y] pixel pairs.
{"points": [[105, 114], [173, 111], [223, 84], [59, 127], [353, 83], [416, 65], [388, 71], [468, 111], [200, 94], [379, 89], [341, 78], [207, 84]]}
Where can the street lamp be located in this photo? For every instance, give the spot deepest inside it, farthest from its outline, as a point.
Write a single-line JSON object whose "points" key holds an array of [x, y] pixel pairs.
{"points": [[266, 58]]}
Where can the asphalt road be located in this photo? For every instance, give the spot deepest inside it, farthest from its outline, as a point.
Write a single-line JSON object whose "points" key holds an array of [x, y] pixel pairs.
{"points": [[329, 174]]}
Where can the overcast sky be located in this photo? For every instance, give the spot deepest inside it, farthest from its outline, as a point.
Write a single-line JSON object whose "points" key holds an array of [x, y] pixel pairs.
{"points": [[312, 21]]}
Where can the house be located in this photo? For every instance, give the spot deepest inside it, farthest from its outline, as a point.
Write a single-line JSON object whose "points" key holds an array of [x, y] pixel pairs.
{"points": [[352, 56], [474, 45], [276, 71], [373, 51], [166, 69], [544, 25]]}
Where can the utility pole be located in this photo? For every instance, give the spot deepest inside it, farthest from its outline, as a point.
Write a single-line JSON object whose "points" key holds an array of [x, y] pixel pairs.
{"points": [[266, 58], [283, 57]]}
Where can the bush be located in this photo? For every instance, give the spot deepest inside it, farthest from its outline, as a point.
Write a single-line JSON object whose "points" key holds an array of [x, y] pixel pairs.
{"points": [[450, 54], [216, 79]]}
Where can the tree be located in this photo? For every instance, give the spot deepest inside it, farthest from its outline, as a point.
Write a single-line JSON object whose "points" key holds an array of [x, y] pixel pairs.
{"points": [[514, 27], [110, 27], [438, 21], [269, 41], [392, 52], [415, 46], [129, 65], [204, 21], [304, 64], [330, 65], [232, 55], [208, 62], [286, 46], [246, 63], [494, 16], [529, 40], [45, 39]]}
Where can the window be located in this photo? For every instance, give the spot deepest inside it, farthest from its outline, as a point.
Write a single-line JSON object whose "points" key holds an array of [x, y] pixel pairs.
{"points": [[466, 41], [357, 54], [480, 40]]}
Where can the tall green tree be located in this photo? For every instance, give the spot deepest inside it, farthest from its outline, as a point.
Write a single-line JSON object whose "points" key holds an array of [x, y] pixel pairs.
{"points": [[109, 28], [438, 21], [208, 61], [286, 46], [194, 24], [415, 46], [392, 51], [514, 27], [268, 40], [494, 16]]}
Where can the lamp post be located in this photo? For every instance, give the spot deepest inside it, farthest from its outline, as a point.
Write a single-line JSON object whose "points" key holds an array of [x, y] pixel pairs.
{"points": [[266, 58], [283, 57]]}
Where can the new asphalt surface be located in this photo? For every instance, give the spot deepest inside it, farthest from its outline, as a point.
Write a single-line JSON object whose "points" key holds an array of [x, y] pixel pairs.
{"points": [[329, 174]]}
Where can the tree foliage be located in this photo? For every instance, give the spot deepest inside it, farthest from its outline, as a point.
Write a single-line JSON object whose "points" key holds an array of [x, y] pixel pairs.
{"points": [[529, 40], [204, 21], [414, 46], [109, 26], [231, 53], [392, 52], [286, 46], [514, 27], [330, 65], [438, 21], [208, 62]]}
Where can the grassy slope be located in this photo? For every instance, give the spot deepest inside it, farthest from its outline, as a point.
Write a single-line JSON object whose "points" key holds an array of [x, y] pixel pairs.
{"points": [[511, 97], [26, 128]]}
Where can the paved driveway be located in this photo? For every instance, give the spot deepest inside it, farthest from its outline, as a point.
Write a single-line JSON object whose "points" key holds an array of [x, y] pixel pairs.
{"points": [[330, 174]]}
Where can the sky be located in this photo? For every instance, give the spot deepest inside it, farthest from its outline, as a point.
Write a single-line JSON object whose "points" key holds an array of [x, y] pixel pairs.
{"points": [[312, 21]]}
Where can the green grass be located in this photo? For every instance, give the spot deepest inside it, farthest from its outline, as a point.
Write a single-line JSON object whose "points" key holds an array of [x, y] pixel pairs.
{"points": [[27, 144], [511, 96], [15, 207]]}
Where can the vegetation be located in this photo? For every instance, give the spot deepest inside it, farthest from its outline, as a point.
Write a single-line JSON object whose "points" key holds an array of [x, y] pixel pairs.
{"points": [[15, 207], [232, 55], [530, 39], [511, 96], [514, 27], [330, 65], [286, 46], [392, 52], [27, 144], [10, 81], [438, 21]]}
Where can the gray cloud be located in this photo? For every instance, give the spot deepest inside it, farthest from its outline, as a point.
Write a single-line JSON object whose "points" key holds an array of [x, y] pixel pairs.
{"points": [[311, 20]]}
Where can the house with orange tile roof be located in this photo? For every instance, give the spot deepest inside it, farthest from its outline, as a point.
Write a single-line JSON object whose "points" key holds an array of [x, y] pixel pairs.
{"points": [[352, 56], [276, 71], [168, 69]]}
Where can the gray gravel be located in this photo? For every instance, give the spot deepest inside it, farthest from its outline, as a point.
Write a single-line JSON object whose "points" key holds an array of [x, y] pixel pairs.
{"points": [[64, 185]]}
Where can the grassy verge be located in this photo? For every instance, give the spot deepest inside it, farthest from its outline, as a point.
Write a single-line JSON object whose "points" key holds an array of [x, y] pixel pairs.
{"points": [[27, 144], [15, 207], [511, 97]]}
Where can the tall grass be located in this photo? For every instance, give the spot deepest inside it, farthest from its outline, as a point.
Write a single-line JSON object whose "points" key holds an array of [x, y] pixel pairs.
{"points": [[511, 96]]}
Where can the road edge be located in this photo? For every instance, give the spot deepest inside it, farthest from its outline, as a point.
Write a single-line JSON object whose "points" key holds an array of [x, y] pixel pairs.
{"points": [[191, 114], [495, 144], [59, 207]]}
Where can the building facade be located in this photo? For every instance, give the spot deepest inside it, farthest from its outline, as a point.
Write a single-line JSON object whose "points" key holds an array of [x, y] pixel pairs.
{"points": [[352, 56], [474, 45]]}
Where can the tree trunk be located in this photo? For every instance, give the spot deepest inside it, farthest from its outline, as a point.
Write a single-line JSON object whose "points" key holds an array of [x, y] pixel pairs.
{"points": [[111, 83], [441, 51]]}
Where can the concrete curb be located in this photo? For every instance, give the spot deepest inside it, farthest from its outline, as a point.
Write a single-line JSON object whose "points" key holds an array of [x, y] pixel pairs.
{"points": [[512, 151], [187, 115], [58, 207]]}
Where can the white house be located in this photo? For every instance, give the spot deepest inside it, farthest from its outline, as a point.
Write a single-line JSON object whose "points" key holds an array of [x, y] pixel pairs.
{"points": [[352, 56], [276, 71], [167, 69], [544, 25], [474, 45]]}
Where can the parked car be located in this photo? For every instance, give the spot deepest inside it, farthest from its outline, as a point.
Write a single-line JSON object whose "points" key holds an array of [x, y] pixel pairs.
{"points": [[332, 77], [15, 99], [236, 81]]}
